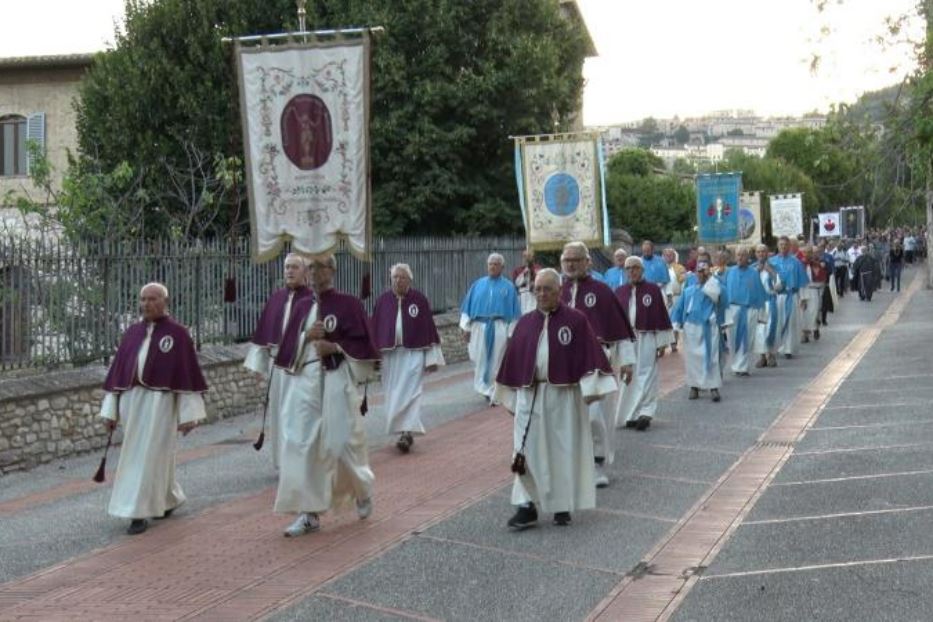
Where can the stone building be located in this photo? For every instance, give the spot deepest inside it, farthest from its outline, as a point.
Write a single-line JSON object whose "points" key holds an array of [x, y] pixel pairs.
{"points": [[36, 103]]}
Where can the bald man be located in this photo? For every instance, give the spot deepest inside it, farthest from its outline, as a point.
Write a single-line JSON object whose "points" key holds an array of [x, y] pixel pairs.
{"points": [[154, 387]]}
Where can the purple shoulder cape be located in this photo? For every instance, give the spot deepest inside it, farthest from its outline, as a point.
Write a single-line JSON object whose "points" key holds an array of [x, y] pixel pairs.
{"points": [[573, 350], [345, 323], [651, 314], [597, 302], [418, 329], [171, 363], [269, 329]]}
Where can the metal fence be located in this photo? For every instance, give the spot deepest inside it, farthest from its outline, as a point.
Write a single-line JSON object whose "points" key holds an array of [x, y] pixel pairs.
{"points": [[68, 304]]}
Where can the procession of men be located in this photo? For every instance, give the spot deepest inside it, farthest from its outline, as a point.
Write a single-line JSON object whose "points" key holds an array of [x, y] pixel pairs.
{"points": [[571, 368]]}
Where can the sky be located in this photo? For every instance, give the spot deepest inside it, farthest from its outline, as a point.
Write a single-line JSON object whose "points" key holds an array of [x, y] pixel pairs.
{"points": [[657, 58]]}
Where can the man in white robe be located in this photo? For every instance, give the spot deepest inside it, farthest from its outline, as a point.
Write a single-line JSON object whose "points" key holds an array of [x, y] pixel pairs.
{"points": [[747, 300], [766, 343], [793, 278], [700, 315], [265, 342], [405, 334], [153, 389], [547, 391], [487, 316], [645, 303], [328, 354]]}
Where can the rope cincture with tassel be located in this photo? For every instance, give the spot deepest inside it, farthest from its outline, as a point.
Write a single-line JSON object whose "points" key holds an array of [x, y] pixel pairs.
{"points": [[100, 476], [519, 463], [265, 409]]}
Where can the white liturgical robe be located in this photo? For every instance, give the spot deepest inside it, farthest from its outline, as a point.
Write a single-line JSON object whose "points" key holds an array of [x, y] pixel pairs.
{"points": [[559, 448], [145, 485], [639, 398], [402, 378], [323, 460]]}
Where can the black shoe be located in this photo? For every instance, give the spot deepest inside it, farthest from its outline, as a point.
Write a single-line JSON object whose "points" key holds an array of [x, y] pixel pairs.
{"points": [[562, 519], [137, 526], [525, 517], [694, 393], [404, 442], [643, 423], [165, 514], [631, 424], [816, 335], [715, 394], [787, 356]]}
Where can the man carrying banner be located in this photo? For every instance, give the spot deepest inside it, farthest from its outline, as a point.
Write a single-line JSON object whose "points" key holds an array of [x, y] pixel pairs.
{"points": [[153, 388], [700, 314], [644, 304], [268, 333], [553, 366], [611, 326], [615, 276], [766, 342], [404, 331], [487, 317], [524, 278], [746, 296], [327, 353], [793, 277]]}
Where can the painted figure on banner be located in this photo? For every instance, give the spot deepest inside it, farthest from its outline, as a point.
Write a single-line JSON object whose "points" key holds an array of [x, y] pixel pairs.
{"points": [[328, 355], [793, 278], [306, 131], [487, 317], [554, 366], [405, 333], [611, 326], [154, 388], [644, 305], [265, 342], [524, 278], [700, 315]]}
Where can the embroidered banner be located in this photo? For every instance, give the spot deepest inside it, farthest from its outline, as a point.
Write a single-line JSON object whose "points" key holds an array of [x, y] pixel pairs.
{"points": [[305, 110], [750, 218], [718, 207], [786, 215], [829, 225], [852, 221], [561, 190]]}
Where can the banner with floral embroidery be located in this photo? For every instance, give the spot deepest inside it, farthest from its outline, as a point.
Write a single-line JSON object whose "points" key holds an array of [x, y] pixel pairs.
{"points": [[305, 110], [561, 190]]}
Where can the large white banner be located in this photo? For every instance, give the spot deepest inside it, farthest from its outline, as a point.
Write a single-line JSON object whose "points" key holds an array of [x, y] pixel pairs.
{"points": [[561, 185], [750, 218], [830, 225], [786, 215], [305, 111]]}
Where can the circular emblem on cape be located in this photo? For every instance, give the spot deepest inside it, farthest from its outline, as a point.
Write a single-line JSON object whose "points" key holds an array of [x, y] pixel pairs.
{"points": [[166, 343], [564, 335], [561, 194], [590, 300], [307, 137], [413, 310], [330, 323], [646, 300]]}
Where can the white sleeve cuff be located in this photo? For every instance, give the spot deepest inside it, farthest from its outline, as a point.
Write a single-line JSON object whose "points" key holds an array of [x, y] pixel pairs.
{"points": [[597, 385], [258, 360], [434, 356], [108, 408], [190, 407]]}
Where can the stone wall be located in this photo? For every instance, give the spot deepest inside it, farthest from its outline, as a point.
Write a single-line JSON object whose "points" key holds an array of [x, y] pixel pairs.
{"points": [[54, 415]]}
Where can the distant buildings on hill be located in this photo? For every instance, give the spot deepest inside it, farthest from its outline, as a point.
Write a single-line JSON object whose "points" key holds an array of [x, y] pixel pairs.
{"points": [[703, 139]]}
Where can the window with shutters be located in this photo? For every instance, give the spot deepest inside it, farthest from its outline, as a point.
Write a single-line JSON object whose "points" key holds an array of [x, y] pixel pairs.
{"points": [[12, 146]]}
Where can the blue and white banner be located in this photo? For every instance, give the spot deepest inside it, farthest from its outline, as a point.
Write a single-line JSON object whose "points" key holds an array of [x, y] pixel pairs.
{"points": [[561, 190], [718, 207]]}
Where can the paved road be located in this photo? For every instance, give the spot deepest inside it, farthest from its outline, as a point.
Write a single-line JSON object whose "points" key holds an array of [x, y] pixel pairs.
{"points": [[836, 527]]}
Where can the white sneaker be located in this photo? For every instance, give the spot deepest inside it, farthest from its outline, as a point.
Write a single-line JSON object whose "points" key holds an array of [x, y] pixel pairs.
{"points": [[601, 479], [364, 508], [305, 523]]}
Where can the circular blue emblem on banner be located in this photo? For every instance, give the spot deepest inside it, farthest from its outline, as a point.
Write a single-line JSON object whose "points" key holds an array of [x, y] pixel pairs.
{"points": [[561, 194]]}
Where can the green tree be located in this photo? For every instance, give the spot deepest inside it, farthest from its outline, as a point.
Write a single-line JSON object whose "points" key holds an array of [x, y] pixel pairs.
{"points": [[451, 80], [647, 204], [682, 135]]}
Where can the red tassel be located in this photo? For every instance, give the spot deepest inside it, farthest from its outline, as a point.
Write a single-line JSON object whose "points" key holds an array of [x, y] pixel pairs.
{"points": [[262, 438]]}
